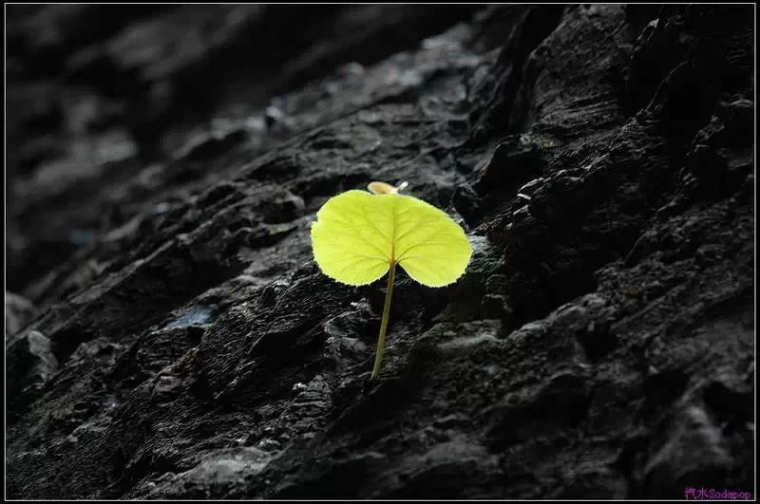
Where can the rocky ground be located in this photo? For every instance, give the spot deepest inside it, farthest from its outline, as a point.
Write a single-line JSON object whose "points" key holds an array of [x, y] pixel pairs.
{"points": [[170, 336]]}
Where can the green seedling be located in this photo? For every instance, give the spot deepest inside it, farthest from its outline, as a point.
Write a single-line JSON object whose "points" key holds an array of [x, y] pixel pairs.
{"points": [[359, 237]]}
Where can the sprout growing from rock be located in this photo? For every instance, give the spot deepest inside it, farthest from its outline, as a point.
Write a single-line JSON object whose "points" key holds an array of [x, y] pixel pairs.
{"points": [[360, 236]]}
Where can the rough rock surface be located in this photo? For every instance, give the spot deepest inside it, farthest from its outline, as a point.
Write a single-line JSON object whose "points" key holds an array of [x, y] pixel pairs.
{"points": [[164, 165], [19, 311]]}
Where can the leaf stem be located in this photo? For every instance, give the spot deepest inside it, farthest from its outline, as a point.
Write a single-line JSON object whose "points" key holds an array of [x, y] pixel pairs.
{"points": [[384, 322]]}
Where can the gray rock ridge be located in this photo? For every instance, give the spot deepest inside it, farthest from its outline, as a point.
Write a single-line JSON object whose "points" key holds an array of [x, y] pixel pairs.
{"points": [[175, 338]]}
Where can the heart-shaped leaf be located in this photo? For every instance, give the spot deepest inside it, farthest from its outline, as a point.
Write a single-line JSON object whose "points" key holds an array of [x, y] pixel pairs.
{"points": [[358, 236]]}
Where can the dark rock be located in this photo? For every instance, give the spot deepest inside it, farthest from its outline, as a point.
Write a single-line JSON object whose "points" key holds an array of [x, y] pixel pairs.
{"points": [[30, 363], [510, 165], [176, 339], [19, 311], [563, 400]]}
